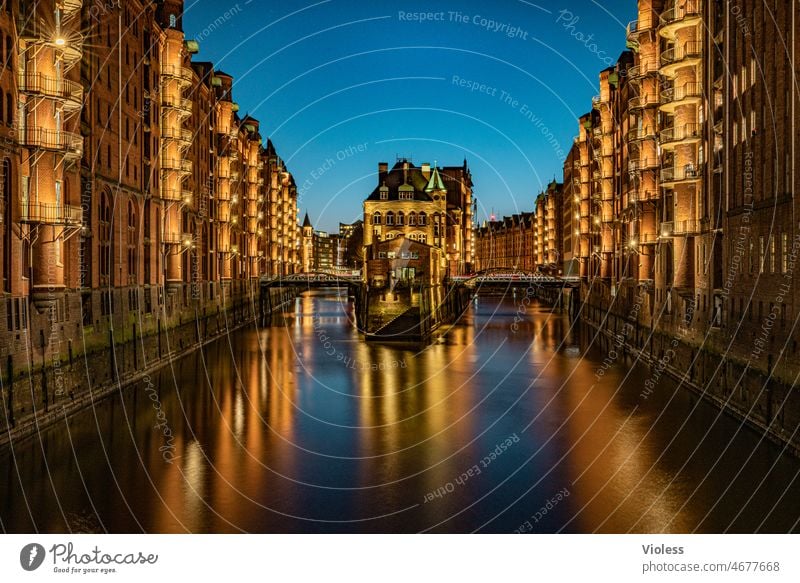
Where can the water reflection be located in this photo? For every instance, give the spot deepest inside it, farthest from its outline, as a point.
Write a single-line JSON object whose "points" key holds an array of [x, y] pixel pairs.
{"points": [[300, 426]]}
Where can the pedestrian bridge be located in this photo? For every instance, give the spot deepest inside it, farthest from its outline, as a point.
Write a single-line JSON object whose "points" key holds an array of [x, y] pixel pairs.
{"points": [[318, 279], [500, 278]]}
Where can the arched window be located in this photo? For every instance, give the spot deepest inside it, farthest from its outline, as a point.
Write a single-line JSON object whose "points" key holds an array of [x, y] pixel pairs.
{"points": [[376, 218], [2, 104], [390, 218], [104, 238], [132, 242], [412, 219], [401, 218], [423, 219], [173, 21]]}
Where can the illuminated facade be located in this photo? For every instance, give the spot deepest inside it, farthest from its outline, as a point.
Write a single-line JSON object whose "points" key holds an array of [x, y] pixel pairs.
{"points": [[129, 184], [682, 188], [430, 205], [528, 241]]}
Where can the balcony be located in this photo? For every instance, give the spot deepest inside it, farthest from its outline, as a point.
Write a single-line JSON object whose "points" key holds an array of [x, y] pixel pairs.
{"points": [[641, 102], [636, 166], [645, 23], [68, 143], [675, 97], [688, 227], [687, 55], [182, 239], [672, 176], [182, 106], [641, 71], [680, 135], [182, 136], [639, 134], [69, 8], [183, 75], [667, 229], [181, 196], [674, 19], [69, 93], [51, 214], [176, 165]]}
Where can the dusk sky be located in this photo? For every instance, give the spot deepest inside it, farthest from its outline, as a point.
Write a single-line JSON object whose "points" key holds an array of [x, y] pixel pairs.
{"points": [[340, 85]]}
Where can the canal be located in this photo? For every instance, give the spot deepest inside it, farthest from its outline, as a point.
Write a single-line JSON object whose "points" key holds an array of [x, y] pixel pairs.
{"points": [[510, 421]]}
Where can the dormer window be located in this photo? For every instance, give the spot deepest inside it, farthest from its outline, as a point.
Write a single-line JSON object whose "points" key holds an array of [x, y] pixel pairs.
{"points": [[406, 196], [384, 193]]}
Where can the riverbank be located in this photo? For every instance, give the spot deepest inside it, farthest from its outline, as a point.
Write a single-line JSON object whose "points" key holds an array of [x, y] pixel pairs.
{"points": [[761, 399], [35, 396]]}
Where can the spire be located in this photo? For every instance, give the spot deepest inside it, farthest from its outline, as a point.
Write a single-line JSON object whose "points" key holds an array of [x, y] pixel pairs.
{"points": [[435, 183], [306, 221]]}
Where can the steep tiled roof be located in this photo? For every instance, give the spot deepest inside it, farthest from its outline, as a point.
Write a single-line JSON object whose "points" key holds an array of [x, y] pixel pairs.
{"points": [[397, 177]]}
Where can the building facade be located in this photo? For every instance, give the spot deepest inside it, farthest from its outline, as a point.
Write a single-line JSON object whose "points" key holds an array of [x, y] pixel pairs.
{"points": [[430, 205], [683, 184], [528, 241], [320, 249], [129, 183]]}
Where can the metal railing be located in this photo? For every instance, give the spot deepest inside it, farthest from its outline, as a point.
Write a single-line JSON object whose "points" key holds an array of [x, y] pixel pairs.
{"points": [[689, 10], [48, 139], [675, 55], [40, 84], [682, 92], [689, 131], [50, 214]]}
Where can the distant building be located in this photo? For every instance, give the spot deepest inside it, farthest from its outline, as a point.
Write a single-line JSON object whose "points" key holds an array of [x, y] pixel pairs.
{"points": [[319, 249], [350, 254], [528, 241], [424, 204]]}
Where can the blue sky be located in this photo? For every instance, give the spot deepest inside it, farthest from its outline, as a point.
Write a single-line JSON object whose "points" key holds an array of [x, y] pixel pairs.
{"points": [[340, 85]]}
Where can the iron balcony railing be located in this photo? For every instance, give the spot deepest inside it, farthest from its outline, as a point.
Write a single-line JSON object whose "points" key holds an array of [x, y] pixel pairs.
{"points": [[682, 92], [688, 10], [50, 214], [687, 51], [685, 132], [49, 139], [47, 86]]}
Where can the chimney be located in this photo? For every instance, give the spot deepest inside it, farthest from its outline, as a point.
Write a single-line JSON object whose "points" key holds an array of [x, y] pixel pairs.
{"points": [[426, 170], [383, 170]]}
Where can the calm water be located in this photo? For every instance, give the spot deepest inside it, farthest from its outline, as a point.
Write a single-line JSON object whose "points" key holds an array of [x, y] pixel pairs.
{"points": [[301, 427]]}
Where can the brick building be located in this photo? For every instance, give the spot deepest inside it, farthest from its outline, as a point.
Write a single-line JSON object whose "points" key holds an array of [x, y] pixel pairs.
{"points": [[528, 241], [431, 205], [683, 182], [129, 183]]}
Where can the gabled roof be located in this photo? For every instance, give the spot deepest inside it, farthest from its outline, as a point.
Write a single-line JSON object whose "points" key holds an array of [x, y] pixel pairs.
{"points": [[397, 177], [306, 221]]}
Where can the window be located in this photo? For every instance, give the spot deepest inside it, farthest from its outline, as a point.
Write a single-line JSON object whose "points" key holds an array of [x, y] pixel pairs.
{"points": [[173, 21], [784, 253], [131, 241], [390, 218], [104, 239], [400, 218], [761, 251], [412, 219], [772, 254], [376, 218], [422, 219]]}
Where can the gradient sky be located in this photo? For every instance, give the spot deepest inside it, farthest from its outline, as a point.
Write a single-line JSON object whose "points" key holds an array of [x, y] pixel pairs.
{"points": [[340, 85]]}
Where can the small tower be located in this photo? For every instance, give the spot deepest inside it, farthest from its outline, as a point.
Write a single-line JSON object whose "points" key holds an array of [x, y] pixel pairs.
{"points": [[308, 245], [438, 193]]}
